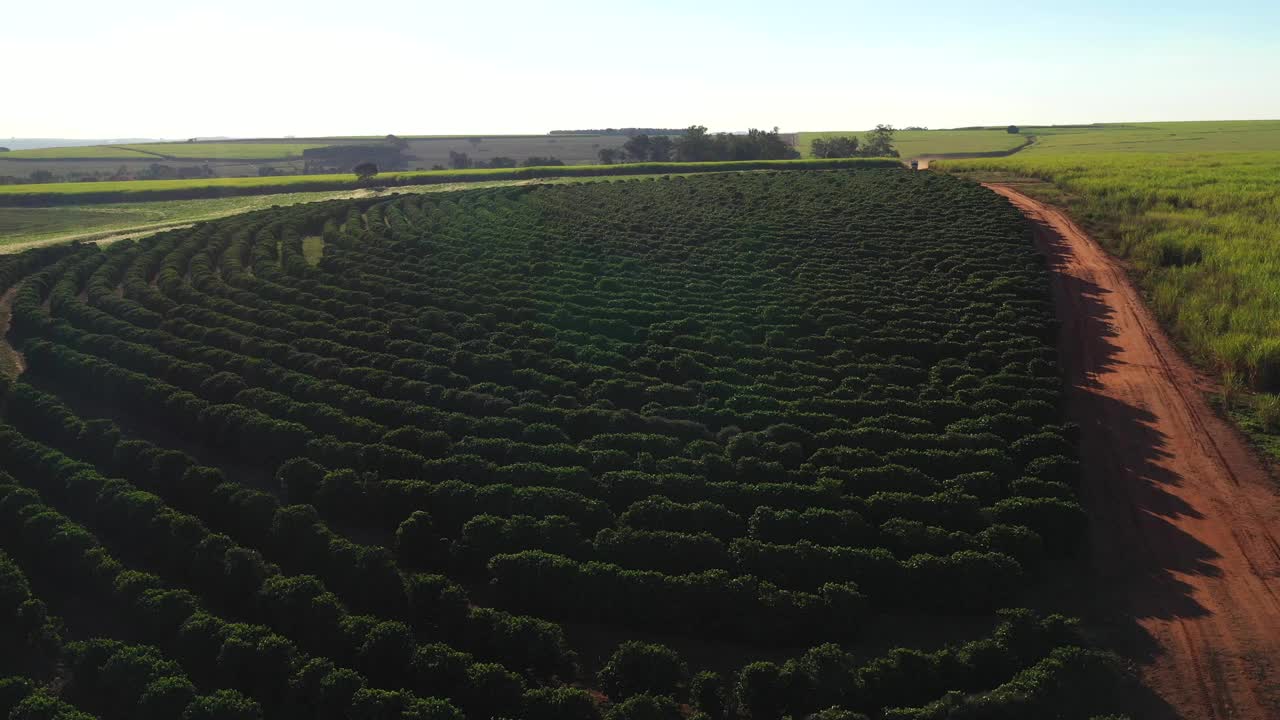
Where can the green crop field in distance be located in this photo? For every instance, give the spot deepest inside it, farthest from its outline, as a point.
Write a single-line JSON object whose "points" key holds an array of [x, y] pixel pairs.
{"points": [[1172, 137], [916, 143], [90, 152]]}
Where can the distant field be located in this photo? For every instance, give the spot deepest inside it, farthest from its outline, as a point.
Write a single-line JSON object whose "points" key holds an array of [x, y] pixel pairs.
{"points": [[140, 190], [235, 150], [1179, 137], [91, 152], [915, 143], [192, 151], [24, 227]]}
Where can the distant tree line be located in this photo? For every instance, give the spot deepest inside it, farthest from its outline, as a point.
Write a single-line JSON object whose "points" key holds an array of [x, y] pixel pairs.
{"points": [[878, 143], [697, 145], [463, 161], [156, 171], [622, 131]]}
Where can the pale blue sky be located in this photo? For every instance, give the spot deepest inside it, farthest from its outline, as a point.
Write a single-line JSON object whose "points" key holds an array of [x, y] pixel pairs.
{"points": [[271, 68]]}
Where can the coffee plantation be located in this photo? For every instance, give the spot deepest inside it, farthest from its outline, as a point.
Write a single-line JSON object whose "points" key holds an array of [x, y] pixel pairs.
{"points": [[753, 414]]}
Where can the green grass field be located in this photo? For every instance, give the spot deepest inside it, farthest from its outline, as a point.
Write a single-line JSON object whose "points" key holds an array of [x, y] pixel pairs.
{"points": [[1200, 228], [88, 152], [1179, 137], [916, 143]]}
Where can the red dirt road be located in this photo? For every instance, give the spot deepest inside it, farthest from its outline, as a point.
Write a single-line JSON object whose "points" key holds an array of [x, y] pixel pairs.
{"points": [[1185, 519]]}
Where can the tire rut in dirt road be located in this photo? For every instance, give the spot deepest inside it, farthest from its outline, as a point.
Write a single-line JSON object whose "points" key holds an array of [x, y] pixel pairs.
{"points": [[1184, 517]]}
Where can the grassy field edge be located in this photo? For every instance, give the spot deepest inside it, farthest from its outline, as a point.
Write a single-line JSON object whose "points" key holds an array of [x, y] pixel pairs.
{"points": [[142, 190]]}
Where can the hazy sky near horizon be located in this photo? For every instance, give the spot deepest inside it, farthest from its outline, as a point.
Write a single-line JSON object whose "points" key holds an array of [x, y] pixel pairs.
{"points": [[146, 68]]}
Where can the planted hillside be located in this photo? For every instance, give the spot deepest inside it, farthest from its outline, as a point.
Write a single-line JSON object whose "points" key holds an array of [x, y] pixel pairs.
{"points": [[427, 467]]}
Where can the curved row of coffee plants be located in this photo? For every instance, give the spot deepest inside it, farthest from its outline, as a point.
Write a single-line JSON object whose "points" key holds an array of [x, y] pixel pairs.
{"points": [[424, 475]]}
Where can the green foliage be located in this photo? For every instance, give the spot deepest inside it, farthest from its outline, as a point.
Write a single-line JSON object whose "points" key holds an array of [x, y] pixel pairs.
{"points": [[561, 703], [637, 668], [758, 408], [1267, 408], [222, 705], [645, 707], [707, 694], [165, 697]]}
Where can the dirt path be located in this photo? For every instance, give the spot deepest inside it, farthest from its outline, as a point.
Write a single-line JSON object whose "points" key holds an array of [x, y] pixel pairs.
{"points": [[1185, 519], [11, 361]]}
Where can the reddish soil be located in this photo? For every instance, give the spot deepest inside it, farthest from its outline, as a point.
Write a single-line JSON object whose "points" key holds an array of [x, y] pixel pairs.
{"points": [[1185, 518], [11, 361]]}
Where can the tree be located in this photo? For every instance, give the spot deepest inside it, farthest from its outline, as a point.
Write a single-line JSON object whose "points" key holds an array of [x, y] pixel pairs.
{"points": [[835, 147], [13, 690], [4, 149], [492, 691], [608, 156], [459, 161], [540, 161], [125, 677], [222, 705], [707, 694], [660, 148], [761, 690], [694, 145], [637, 148], [337, 689], [639, 667], [365, 170], [165, 698], [41, 705], [645, 707], [388, 651], [560, 703], [880, 142], [418, 544], [299, 479], [1013, 130]]}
